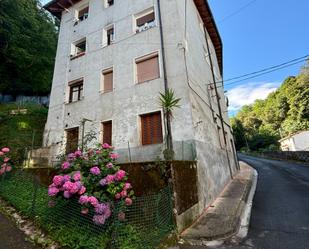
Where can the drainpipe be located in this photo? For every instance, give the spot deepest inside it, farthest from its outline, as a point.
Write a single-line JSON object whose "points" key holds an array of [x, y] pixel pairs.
{"points": [[218, 101], [169, 140]]}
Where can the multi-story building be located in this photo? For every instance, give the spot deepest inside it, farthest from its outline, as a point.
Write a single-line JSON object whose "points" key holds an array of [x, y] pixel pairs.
{"points": [[114, 57]]}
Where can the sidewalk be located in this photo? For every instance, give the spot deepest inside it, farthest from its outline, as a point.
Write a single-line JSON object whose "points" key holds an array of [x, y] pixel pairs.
{"points": [[230, 213], [11, 237]]}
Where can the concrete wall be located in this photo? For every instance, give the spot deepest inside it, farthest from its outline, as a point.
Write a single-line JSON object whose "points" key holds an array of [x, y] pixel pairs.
{"points": [[194, 125]]}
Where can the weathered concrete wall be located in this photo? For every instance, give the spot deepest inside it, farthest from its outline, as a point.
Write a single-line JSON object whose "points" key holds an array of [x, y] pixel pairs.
{"points": [[296, 142]]}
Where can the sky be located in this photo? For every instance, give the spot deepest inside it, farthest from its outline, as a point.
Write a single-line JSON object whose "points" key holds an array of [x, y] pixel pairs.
{"points": [[257, 34]]}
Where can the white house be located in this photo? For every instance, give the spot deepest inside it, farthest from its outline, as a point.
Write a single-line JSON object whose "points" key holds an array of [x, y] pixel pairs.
{"points": [[296, 142], [114, 57]]}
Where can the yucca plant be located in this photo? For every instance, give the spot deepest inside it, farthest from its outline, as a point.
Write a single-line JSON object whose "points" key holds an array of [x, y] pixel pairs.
{"points": [[169, 102]]}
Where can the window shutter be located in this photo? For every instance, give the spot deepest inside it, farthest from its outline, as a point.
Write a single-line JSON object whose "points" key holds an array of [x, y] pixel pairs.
{"points": [[145, 19], [148, 69], [151, 128], [107, 132], [108, 81]]}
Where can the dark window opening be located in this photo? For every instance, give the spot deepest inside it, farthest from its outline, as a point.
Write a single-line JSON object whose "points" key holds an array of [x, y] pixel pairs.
{"points": [[76, 91], [145, 22], [72, 140], [110, 36], [83, 14], [107, 132]]}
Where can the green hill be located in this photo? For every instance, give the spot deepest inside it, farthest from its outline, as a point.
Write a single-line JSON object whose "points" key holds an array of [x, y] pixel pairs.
{"points": [[285, 111]]}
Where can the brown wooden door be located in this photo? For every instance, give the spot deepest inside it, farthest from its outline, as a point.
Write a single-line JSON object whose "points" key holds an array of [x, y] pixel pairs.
{"points": [[72, 140]]}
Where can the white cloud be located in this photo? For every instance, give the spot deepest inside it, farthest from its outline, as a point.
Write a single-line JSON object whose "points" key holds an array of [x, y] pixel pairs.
{"points": [[246, 94]]}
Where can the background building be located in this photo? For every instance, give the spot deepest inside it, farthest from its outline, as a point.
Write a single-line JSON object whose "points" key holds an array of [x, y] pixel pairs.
{"points": [[295, 142]]}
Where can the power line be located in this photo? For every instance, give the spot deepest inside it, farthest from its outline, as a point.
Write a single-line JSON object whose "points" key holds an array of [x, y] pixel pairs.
{"points": [[236, 11], [264, 71]]}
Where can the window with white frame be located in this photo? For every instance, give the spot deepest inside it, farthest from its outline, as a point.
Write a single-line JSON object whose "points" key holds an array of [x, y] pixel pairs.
{"points": [[78, 48], [76, 90], [108, 35], [83, 13], [145, 20]]}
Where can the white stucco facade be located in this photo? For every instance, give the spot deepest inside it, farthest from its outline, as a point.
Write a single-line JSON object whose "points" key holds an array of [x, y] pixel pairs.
{"points": [[296, 142], [188, 71]]}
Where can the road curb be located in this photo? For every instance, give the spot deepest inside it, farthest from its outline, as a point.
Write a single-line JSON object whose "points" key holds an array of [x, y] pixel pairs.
{"points": [[209, 232]]}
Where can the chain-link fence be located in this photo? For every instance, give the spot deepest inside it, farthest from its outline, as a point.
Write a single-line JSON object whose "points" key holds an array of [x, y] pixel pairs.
{"points": [[145, 223]]}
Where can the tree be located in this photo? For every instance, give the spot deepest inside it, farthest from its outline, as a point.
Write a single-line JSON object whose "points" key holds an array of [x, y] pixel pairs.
{"points": [[28, 39]]}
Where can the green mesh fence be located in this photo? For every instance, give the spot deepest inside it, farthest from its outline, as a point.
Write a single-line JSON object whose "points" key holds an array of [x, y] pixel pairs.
{"points": [[146, 223]]}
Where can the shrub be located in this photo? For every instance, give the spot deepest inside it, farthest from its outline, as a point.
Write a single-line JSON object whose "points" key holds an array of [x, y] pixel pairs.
{"points": [[97, 182]]}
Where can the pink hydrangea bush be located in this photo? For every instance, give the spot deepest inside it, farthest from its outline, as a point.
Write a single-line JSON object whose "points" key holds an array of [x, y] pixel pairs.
{"points": [[96, 180], [5, 165]]}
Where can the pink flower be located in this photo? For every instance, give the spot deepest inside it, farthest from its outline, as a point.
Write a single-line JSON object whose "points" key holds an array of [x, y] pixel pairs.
{"points": [[114, 156], [101, 208], [53, 191], [5, 150], [123, 193], [97, 152], [67, 194], [103, 182], [58, 180], [6, 159], [1, 153], [66, 165], [121, 216], [108, 213], [95, 171], [99, 219], [93, 201], [66, 178], [2, 170], [8, 168], [109, 165], [128, 201], [85, 211], [120, 174], [77, 176], [83, 199], [82, 190], [117, 196], [106, 146], [75, 187], [109, 179], [78, 153], [71, 156], [127, 186], [67, 186]]}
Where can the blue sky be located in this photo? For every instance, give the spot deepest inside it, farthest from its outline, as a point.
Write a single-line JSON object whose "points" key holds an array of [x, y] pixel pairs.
{"points": [[263, 33], [257, 34]]}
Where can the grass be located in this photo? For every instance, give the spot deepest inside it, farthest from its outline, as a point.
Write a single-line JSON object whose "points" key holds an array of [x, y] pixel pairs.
{"points": [[20, 131]]}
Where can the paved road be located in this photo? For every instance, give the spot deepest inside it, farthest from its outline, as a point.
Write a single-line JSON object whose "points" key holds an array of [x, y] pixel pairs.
{"points": [[11, 237], [280, 214]]}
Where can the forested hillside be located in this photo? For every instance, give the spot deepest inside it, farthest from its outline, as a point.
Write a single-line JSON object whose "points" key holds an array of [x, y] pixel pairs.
{"points": [[28, 39], [259, 126]]}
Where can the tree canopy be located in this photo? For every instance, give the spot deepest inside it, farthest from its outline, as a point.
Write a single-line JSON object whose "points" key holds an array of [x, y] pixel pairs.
{"points": [[260, 125], [28, 39]]}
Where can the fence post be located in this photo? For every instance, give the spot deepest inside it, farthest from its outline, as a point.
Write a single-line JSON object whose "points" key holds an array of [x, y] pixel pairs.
{"points": [[34, 196]]}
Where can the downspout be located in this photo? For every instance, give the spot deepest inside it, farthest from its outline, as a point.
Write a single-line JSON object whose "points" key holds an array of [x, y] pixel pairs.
{"points": [[218, 101], [169, 139]]}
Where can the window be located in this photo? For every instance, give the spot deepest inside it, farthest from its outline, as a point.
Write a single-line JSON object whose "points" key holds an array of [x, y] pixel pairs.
{"points": [[107, 132], [108, 80], [108, 35], [147, 68], [78, 49], [76, 90], [151, 128], [109, 3], [83, 14], [145, 21], [72, 140]]}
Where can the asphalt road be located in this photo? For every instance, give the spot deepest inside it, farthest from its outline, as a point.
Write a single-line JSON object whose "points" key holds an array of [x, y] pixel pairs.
{"points": [[280, 213], [11, 237]]}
